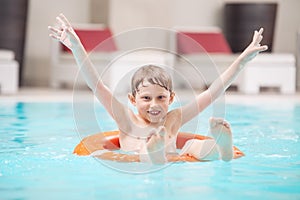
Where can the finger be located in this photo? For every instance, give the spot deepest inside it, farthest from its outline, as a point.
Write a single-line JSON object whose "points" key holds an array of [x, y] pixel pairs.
{"points": [[262, 48], [259, 34], [54, 30], [162, 131], [64, 19], [255, 34], [261, 30], [226, 124], [258, 40], [56, 33], [54, 36], [159, 137], [160, 128], [151, 134], [60, 21]]}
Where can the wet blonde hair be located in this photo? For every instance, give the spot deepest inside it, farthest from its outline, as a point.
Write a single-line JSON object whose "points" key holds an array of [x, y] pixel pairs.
{"points": [[152, 74]]}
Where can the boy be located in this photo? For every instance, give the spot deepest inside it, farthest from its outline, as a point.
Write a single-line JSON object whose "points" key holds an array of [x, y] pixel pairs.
{"points": [[152, 132]]}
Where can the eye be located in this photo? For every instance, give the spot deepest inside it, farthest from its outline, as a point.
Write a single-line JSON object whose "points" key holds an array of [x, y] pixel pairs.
{"points": [[161, 97], [146, 98]]}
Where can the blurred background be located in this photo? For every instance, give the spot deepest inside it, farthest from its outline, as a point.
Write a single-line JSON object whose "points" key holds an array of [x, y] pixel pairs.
{"points": [[32, 17]]}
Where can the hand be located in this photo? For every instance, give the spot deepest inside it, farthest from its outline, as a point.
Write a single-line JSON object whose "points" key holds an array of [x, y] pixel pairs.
{"points": [[64, 32], [156, 139], [254, 47]]}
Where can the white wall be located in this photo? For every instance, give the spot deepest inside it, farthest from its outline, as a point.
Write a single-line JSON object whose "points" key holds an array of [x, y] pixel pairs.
{"points": [[37, 48], [128, 14], [287, 25], [197, 13]]}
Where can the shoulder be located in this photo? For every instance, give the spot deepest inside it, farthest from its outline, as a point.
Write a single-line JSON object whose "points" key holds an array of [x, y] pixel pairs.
{"points": [[126, 123], [174, 116], [174, 113]]}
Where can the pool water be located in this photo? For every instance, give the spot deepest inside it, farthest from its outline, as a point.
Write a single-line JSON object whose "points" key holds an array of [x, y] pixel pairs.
{"points": [[36, 160]]}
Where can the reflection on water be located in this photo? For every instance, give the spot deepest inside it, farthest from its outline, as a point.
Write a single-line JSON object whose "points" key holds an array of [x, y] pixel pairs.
{"points": [[36, 160]]}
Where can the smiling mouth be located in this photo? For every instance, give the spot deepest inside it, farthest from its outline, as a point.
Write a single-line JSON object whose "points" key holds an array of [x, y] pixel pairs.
{"points": [[154, 112]]}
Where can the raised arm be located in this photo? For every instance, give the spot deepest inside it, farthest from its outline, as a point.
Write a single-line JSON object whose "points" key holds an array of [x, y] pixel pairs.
{"points": [[66, 35], [220, 85]]}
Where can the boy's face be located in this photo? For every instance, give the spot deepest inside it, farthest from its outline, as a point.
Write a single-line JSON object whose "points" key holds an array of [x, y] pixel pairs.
{"points": [[152, 102]]}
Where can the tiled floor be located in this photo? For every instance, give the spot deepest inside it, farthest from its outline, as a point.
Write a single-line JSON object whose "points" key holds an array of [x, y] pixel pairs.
{"points": [[46, 94]]}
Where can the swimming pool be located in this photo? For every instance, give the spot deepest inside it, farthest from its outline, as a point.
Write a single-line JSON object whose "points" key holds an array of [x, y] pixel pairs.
{"points": [[36, 160]]}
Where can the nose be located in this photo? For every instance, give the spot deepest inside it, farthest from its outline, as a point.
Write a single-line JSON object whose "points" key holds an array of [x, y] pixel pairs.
{"points": [[153, 103]]}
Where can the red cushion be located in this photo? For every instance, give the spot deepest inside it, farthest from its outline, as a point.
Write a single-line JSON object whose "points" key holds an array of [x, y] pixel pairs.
{"points": [[95, 40], [195, 42]]}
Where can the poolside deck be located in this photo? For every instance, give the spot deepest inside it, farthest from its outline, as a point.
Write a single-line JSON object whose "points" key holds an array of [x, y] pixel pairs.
{"points": [[66, 95]]}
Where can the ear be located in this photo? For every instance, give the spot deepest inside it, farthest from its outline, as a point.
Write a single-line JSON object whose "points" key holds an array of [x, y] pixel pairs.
{"points": [[131, 99], [172, 97]]}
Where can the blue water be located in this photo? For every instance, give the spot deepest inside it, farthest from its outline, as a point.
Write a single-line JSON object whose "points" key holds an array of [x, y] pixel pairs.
{"points": [[36, 160]]}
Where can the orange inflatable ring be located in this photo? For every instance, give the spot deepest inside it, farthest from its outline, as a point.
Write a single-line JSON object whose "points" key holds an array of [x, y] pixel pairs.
{"points": [[110, 141]]}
